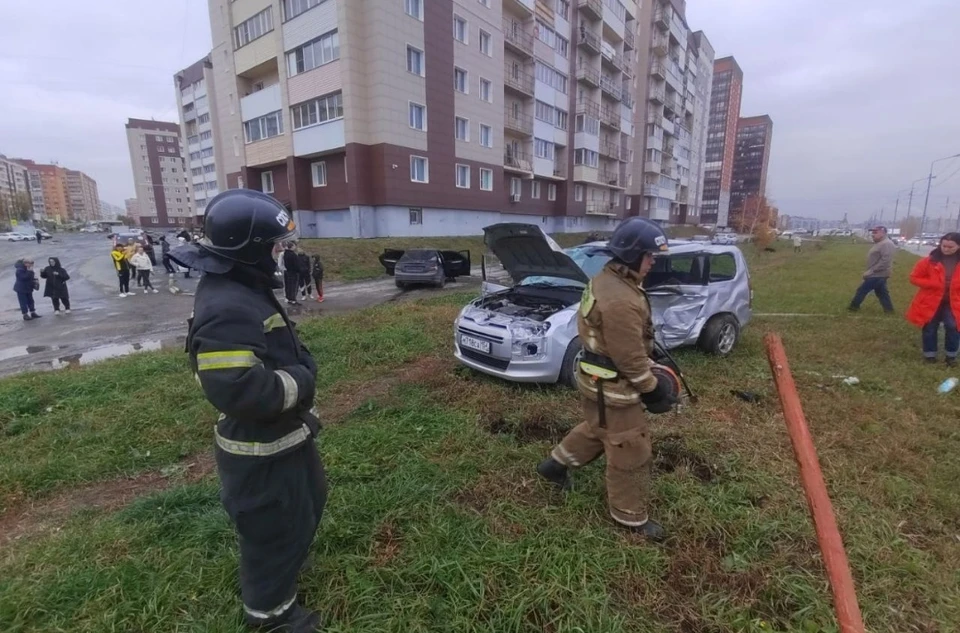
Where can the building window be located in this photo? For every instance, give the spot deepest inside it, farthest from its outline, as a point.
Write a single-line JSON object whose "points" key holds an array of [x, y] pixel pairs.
{"points": [[563, 46], [486, 135], [578, 193], [419, 169], [319, 171], [563, 9], [630, 204], [543, 149], [586, 157], [255, 27], [266, 182], [161, 149], [485, 43], [460, 29], [415, 61], [461, 128], [416, 216], [159, 139], [418, 116], [552, 77], [485, 3], [203, 118], [414, 8], [515, 187], [314, 53], [460, 80], [486, 90], [205, 135], [486, 179], [535, 190], [260, 128], [293, 8], [551, 192], [463, 176], [326, 108]]}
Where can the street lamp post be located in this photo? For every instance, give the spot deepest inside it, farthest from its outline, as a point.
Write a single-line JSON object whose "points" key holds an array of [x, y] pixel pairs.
{"points": [[926, 200]]}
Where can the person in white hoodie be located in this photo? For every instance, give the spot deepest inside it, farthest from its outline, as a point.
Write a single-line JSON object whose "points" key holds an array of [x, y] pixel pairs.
{"points": [[141, 261]]}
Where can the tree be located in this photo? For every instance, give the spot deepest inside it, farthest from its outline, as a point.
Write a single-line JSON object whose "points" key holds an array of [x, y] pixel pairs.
{"points": [[17, 207], [909, 227], [758, 218]]}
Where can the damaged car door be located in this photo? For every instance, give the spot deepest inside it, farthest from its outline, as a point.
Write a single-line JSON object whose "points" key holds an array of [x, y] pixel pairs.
{"points": [[678, 292]]}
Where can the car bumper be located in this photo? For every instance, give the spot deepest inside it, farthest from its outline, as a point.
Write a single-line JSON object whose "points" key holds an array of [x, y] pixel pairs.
{"points": [[416, 278], [544, 370]]}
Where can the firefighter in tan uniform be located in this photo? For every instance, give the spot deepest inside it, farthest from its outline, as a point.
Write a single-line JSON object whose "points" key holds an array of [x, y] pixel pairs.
{"points": [[618, 380]]}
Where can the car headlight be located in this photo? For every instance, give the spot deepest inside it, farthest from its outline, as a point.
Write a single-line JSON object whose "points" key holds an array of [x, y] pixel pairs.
{"points": [[529, 340]]}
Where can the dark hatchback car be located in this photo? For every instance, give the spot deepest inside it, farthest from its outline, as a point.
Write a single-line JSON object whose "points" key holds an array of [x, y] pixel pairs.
{"points": [[425, 266]]}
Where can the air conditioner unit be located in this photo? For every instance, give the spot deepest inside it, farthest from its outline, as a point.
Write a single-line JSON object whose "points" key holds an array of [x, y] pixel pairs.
{"points": [[514, 197]]}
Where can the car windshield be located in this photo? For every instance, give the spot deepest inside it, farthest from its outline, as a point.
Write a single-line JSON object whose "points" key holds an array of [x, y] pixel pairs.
{"points": [[420, 256], [589, 258]]}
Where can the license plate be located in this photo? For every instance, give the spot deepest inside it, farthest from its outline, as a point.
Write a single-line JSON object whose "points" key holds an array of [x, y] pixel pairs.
{"points": [[475, 344]]}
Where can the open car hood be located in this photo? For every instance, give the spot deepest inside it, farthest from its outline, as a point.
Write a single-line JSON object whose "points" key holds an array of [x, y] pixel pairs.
{"points": [[524, 250]]}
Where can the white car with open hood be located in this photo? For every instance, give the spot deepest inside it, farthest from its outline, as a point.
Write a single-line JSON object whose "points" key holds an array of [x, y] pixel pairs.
{"points": [[699, 292]]}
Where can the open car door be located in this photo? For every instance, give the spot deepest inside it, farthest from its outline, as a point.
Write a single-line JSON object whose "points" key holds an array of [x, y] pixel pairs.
{"points": [[389, 258], [455, 264], [677, 288]]}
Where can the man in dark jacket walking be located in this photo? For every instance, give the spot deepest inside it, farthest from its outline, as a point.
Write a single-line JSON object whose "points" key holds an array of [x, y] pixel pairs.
{"points": [[56, 286], [291, 273], [39, 236], [256, 372], [24, 285], [165, 252]]}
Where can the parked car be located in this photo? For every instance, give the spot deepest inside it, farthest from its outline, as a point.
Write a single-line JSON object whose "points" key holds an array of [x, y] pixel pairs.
{"points": [[700, 295], [425, 266], [15, 237], [725, 239]]}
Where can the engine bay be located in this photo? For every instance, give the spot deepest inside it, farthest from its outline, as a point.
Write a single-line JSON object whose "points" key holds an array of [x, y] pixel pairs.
{"points": [[522, 305]]}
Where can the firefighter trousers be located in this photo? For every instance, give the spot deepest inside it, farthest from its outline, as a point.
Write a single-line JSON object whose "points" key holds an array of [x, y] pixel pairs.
{"points": [[275, 504], [627, 446]]}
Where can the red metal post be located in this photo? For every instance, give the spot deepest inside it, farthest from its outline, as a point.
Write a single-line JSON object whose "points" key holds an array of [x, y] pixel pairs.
{"points": [[824, 521]]}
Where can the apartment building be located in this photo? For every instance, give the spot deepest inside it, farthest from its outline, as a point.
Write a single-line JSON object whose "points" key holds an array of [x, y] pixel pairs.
{"points": [[196, 103], [110, 212], [668, 146], [14, 189], [83, 199], [48, 190], [751, 159], [427, 118], [721, 140], [132, 207], [159, 175]]}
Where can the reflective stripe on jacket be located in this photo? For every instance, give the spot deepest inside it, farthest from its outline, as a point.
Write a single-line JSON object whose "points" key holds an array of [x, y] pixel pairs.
{"points": [[615, 321]]}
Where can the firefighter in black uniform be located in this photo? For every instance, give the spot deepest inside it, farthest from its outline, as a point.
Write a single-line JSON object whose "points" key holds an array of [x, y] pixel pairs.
{"points": [[254, 370]]}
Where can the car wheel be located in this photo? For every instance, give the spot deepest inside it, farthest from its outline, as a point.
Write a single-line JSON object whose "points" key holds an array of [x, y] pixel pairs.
{"points": [[442, 283], [401, 285], [720, 335], [568, 371]]}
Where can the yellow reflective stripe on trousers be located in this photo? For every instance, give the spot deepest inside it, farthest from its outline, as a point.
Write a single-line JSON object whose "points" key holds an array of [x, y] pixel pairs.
{"points": [[262, 449], [273, 322], [226, 360]]}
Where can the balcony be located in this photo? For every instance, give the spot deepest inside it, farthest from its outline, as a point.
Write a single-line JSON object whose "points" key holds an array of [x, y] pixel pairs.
{"points": [[655, 119], [588, 107], [559, 171], [589, 39], [517, 161], [669, 149], [674, 104], [609, 177], [524, 6], [683, 197], [658, 70], [592, 8], [627, 97], [627, 70], [652, 166], [657, 95], [601, 208], [608, 149], [651, 190], [610, 118], [629, 39], [517, 79], [518, 122], [660, 44], [516, 38], [614, 61], [611, 87], [588, 75], [661, 20], [626, 154]]}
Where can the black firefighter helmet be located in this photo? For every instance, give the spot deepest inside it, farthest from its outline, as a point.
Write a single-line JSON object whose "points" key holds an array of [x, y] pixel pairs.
{"points": [[634, 237]]}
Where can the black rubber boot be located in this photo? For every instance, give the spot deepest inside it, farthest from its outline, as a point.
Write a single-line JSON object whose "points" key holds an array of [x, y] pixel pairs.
{"points": [[552, 470], [651, 530]]}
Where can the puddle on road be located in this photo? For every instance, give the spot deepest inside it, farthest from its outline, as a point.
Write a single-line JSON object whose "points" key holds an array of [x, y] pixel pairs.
{"points": [[89, 356], [26, 350]]}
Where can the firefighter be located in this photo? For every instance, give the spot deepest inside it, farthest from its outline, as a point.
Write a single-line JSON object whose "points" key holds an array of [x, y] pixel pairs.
{"points": [[617, 380], [255, 371]]}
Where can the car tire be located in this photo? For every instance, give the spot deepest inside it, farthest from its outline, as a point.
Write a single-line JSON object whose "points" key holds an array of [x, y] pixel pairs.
{"points": [[568, 373], [400, 284], [720, 335], [442, 283]]}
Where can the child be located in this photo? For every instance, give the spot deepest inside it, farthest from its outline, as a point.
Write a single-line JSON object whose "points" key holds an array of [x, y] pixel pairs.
{"points": [[56, 286], [144, 266], [318, 277], [26, 282]]}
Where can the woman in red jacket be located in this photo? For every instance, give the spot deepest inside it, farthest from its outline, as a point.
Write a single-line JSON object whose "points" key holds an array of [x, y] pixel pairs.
{"points": [[938, 298]]}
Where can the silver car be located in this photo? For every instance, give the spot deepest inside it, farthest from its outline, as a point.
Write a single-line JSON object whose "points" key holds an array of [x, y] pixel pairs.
{"points": [[700, 294]]}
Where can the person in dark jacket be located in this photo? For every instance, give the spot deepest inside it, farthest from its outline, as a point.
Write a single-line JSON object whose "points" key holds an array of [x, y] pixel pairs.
{"points": [[291, 273], [148, 249], [253, 368], [39, 236], [56, 285], [165, 256], [303, 263], [24, 285], [318, 277]]}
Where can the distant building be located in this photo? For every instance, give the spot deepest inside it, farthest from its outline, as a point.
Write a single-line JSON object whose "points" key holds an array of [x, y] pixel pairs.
{"points": [[14, 189], [83, 199], [110, 212], [721, 140], [51, 181], [156, 156], [133, 209], [199, 124], [751, 159]]}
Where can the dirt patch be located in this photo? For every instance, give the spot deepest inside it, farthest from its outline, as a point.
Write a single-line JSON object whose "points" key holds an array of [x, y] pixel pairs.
{"points": [[386, 544], [670, 454], [35, 518], [533, 427], [491, 488]]}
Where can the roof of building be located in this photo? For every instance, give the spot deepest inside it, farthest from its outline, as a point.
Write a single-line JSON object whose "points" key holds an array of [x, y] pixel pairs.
{"points": [[157, 126]]}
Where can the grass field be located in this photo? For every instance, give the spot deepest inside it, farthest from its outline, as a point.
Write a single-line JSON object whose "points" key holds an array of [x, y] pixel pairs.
{"points": [[436, 521]]}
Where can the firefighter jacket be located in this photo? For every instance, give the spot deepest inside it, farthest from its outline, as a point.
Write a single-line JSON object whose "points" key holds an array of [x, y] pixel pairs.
{"points": [[615, 324], [251, 364]]}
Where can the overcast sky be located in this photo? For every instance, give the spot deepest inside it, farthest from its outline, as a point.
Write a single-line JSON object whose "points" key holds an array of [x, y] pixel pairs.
{"points": [[863, 93]]}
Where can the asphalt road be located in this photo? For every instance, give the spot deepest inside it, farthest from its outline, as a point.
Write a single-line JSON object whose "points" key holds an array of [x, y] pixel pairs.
{"points": [[103, 325]]}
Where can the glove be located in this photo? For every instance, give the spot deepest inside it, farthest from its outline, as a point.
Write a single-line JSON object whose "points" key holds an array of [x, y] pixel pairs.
{"points": [[658, 401]]}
